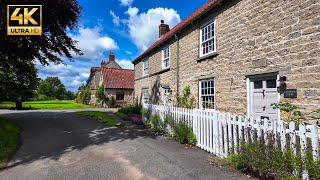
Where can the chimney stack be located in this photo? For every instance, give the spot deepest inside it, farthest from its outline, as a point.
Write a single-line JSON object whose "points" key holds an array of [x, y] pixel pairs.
{"points": [[163, 28], [111, 56]]}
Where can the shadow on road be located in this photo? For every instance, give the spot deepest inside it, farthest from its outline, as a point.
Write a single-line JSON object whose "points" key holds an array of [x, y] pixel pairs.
{"points": [[51, 134]]}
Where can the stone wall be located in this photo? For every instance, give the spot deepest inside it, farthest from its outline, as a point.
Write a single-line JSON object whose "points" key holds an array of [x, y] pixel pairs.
{"points": [[253, 36], [128, 96]]}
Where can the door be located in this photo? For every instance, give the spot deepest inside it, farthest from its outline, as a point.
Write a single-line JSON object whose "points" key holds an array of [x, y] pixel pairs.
{"points": [[263, 94]]}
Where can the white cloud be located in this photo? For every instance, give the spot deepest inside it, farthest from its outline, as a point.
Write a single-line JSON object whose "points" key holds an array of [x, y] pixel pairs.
{"points": [[124, 63], [126, 2], [92, 43], [143, 27], [71, 76], [115, 19], [128, 52]]}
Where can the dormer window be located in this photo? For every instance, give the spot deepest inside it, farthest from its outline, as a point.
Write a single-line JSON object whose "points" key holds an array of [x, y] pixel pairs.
{"points": [[145, 65], [166, 57], [208, 39]]}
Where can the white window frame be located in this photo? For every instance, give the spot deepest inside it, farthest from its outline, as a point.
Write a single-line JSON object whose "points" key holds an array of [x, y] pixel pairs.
{"points": [[214, 93], [214, 39], [145, 70], [145, 91], [165, 58]]}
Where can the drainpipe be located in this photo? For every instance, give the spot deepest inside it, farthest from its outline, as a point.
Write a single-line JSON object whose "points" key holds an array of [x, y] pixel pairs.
{"points": [[178, 59]]}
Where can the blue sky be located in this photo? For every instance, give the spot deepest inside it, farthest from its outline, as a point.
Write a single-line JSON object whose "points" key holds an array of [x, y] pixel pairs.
{"points": [[126, 27]]}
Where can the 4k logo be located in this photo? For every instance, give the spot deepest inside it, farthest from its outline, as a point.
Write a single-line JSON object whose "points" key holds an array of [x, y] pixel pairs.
{"points": [[24, 19]]}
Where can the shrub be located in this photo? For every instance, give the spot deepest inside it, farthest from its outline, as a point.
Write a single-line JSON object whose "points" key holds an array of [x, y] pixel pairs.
{"points": [[266, 161], [111, 102], [123, 116], [146, 113], [289, 112], [42, 97], [184, 134], [136, 119], [131, 110], [185, 100], [156, 124]]}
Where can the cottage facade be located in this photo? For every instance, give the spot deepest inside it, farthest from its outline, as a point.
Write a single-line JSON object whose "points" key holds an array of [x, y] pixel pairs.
{"points": [[118, 83], [237, 56]]}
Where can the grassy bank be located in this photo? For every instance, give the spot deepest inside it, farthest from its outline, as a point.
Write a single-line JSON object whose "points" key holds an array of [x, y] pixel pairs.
{"points": [[9, 140], [52, 104], [99, 116]]}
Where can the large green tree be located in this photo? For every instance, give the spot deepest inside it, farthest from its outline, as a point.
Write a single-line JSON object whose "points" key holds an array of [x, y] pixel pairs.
{"points": [[17, 51], [18, 83], [53, 88]]}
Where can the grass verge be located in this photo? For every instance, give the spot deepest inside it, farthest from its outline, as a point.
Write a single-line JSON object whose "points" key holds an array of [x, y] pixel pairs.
{"points": [[99, 116], [52, 104], [9, 140]]}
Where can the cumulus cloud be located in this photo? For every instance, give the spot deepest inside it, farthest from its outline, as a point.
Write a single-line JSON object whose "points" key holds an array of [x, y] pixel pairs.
{"points": [[92, 43], [126, 64], [143, 27], [126, 2], [128, 52], [71, 76]]}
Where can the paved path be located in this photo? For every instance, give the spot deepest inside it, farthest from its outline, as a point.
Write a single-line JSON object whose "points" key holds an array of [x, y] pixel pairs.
{"points": [[61, 145]]}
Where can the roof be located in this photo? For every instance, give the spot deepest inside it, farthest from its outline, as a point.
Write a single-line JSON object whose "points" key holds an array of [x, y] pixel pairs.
{"points": [[179, 27], [111, 64], [118, 78], [94, 69]]}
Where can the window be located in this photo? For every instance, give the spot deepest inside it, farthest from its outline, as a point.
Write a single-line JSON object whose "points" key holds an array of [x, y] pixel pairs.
{"points": [[272, 83], [166, 58], [119, 96], [145, 95], [207, 92], [208, 39], [257, 84], [145, 67], [166, 94]]}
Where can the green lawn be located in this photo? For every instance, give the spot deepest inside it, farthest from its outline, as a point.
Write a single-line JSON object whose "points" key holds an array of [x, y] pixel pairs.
{"points": [[9, 140], [99, 116], [52, 104]]}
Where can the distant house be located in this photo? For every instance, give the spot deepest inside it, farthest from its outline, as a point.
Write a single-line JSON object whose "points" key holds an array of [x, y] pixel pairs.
{"points": [[118, 83], [237, 56]]}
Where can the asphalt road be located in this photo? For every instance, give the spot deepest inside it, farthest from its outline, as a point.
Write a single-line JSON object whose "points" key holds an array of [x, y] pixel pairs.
{"points": [[60, 145]]}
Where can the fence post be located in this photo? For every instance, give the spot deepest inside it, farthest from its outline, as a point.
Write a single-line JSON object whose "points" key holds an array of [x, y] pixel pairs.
{"points": [[235, 135], [292, 134], [314, 135], [303, 143], [229, 133]]}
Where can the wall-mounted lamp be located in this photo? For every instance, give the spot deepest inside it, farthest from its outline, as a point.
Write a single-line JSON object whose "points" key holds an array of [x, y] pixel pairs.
{"points": [[282, 86]]}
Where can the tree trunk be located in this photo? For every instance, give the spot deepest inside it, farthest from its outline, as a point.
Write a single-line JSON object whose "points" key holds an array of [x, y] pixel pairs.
{"points": [[18, 105]]}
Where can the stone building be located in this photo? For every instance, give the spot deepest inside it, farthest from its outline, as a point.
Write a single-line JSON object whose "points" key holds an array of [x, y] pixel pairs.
{"points": [[118, 83], [238, 56]]}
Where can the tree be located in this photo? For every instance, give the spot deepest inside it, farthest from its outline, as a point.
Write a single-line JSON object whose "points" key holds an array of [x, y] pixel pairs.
{"points": [[54, 43], [83, 95], [100, 94], [18, 84], [18, 52], [53, 88]]}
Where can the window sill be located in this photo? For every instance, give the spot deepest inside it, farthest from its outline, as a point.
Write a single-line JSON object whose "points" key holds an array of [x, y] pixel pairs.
{"points": [[212, 55]]}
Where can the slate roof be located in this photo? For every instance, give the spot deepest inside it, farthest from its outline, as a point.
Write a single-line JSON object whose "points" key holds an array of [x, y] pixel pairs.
{"points": [[179, 27]]}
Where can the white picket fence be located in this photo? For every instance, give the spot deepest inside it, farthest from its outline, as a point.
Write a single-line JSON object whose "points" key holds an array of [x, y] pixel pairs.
{"points": [[221, 133]]}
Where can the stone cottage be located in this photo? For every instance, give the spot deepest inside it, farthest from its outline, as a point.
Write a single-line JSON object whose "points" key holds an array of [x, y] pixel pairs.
{"points": [[118, 83], [237, 56]]}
